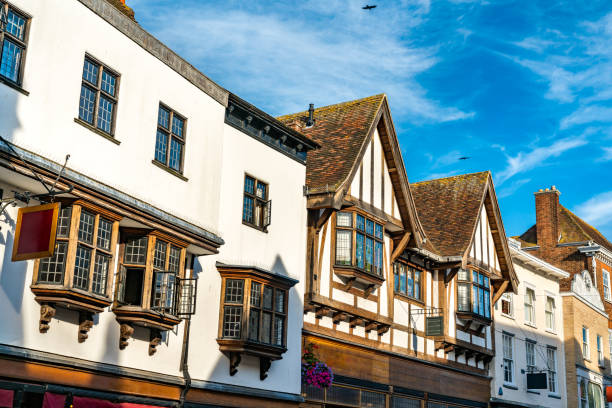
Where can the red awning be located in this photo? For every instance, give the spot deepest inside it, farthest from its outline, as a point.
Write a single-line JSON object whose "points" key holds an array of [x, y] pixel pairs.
{"points": [[54, 400]]}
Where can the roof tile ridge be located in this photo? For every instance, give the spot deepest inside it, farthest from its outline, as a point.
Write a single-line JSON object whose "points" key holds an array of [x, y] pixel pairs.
{"points": [[451, 177], [335, 105]]}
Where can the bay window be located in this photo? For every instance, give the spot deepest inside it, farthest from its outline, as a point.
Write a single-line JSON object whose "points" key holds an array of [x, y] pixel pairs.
{"points": [[254, 309], [407, 280], [474, 293], [359, 242]]}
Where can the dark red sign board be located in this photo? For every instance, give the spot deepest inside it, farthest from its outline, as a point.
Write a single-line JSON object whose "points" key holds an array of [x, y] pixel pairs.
{"points": [[35, 232], [608, 394]]}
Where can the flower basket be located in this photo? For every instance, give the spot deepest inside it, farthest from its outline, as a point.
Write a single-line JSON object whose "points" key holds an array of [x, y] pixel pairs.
{"points": [[315, 373]]}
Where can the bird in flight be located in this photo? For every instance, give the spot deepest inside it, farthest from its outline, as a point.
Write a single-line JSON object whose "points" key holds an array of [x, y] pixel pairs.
{"points": [[368, 7], [464, 158]]}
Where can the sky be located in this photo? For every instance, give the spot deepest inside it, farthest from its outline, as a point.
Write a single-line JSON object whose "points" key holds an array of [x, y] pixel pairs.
{"points": [[522, 88]]}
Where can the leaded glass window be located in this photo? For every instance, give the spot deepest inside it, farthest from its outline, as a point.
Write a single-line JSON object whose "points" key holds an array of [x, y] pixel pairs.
{"points": [[51, 270], [256, 208], [170, 138], [408, 280], [98, 101], [474, 297], [135, 251], [367, 253], [13, 45]]}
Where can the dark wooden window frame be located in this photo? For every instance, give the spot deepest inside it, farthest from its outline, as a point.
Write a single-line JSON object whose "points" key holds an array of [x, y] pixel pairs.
{"points": [[182, 141], [21, 43], [354, 231], [99, 91], [469, 282], [264, 203], [405, 295]]}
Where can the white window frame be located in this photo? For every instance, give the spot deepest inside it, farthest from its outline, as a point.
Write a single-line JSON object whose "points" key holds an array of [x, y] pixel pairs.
{"points": [[530, 344], [605, 280], [586, 350], [529, 305], [552, 371], [508, 358], [550, 313], [600, 354]]}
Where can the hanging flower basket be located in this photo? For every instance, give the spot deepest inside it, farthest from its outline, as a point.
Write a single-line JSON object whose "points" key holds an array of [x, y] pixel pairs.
{"points": [[315, 373]]}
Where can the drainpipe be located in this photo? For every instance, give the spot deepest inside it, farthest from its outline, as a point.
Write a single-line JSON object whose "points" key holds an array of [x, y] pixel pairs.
{"points": [[185, 367]]}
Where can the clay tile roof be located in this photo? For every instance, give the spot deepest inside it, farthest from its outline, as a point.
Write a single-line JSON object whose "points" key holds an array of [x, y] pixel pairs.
{"points": [[341, 131], [448, 209], [122, 7]]}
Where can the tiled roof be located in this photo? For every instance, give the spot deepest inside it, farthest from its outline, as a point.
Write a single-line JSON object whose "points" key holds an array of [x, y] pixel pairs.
{"points": [[341, 130], [571, 228], [448, 209]]}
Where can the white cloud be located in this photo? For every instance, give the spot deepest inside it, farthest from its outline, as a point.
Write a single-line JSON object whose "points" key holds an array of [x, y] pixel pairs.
{"points": [[526, 161], [597, 210], [587, 114], [607, 154], [318, 51], [513, 188]]}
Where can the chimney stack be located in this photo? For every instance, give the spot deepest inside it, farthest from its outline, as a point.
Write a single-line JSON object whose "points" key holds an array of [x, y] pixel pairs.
{"points": [[547, 216], [310, 121]]}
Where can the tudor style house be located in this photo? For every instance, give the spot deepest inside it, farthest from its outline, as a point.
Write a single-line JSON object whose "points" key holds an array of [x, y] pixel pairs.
{"points": [[529, 334], [170, 280], [565, 240], [400, 278]]}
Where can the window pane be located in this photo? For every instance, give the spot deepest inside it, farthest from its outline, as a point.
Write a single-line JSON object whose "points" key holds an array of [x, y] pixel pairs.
{"points": [[232, 316], [481, 302], [378, 257], [81, 267], [279, 329], [266, 328], [343, 247], [234, 290], [279, 302], [51, 270], [410, 281], [369, 254], [63, 222], [247, 209], [90, 72], [462, 275], [15, 24], [474, 299], [105, 114], [261, 190], [176, 153], [396, 277], [11, 60], [254, 325], [359, 250], [135, 251], [163, 118], [360, 223], [256, 294], [105, 229], [109, 82], [86, 104], [481, 279], [174, 260], [403, 279], [161, 146], [417, 284], [369, 227], [463, 297], [487, 305], [159, 255], [379, 231], [177, 126], [344, 219], [249, 185], [98, 285], [86, 227], [267, 298]]}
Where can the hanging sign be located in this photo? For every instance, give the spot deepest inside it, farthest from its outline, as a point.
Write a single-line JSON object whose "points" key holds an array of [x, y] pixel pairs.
{"points": [[536, 381], [35, 232], [434, 326]]}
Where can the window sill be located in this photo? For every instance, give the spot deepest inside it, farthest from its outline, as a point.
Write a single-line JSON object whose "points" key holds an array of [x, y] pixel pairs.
{"points": [[507, 316], [70, 298], [97, 131], [531, 325], [554, 395], [234, 348], [533, 392], [248, 224], [14, 85], [353, 273], [510, 386], [551, 331], [169, 170], [409, 298], [140, 316]]}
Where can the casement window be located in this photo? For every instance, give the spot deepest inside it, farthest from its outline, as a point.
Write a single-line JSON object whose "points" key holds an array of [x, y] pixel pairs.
{"points": [[98, 100], [506, 304], [508, 349], [151, 274], [407, 280], [530, 355], [253, 314], [473, 293], [551, 368], [600, 353], [550, 313], [170, 139], [359, 242], [585, 343], [606, 285], [13, 42], [529, 306], [85, 246], [256, 208]]}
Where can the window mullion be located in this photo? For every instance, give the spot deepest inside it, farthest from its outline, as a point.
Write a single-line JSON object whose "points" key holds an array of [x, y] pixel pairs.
{"points": [[72, 245], [92, 260], [246, 310]]}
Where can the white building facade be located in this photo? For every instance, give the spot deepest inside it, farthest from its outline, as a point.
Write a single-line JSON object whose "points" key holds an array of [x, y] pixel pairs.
{"points": [[170, 178], [529, 336]]}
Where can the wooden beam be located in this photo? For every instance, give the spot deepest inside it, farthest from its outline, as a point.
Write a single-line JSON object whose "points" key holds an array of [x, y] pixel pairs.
{"points": [[323, 218], [355, 321], [338, 317], [399, 248], [371, 326], [449, 277], [349, 283], [368, 291], [500, 292], [321, 311], [383, 328]]}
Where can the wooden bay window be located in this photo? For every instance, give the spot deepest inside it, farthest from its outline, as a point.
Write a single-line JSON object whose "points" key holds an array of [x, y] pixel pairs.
{"points": [[407, 281], [79, 274], [253, 315], [473, 296]]}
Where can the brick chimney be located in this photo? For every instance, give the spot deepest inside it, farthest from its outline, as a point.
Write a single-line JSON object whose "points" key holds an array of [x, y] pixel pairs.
{"points": [[547, 216]]}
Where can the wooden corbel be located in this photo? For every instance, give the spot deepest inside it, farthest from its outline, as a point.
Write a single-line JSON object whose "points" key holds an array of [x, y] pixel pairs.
{"points": [[401, 246], [46, 314], [370, 326], [499, 292], [368, 291], [382, 329], [154, 341], [355, 321], [125, 332], [338, 317], [349, 283], [264, 366], [449, 276], [321, 311], [85, 323], [322, 220], [235, 359]]}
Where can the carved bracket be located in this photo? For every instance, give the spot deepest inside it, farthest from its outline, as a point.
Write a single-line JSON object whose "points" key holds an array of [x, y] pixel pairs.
{"points": [[125, 332], [235, 359], [264, 366], [85, 323], [46, 314], [155, 340]]}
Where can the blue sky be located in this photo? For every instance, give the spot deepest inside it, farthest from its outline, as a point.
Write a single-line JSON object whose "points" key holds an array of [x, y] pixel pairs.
{"points": [[524, 88]]}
